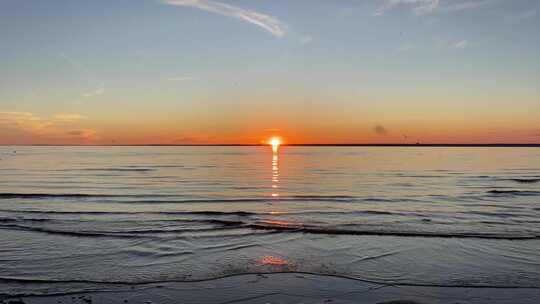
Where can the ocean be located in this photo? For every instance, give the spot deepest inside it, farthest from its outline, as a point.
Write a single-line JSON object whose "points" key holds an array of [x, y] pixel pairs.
{"points": [[86, 218]]}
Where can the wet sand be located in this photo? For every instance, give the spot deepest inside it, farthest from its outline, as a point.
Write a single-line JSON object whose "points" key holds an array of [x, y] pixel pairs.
{"points": [[284, 288]]}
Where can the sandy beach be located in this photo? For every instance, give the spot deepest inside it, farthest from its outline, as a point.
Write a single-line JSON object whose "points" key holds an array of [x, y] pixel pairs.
{"points": [[291, 288]]}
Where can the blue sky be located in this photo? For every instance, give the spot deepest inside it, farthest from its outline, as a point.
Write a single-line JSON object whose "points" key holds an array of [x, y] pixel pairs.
{"points": [[316, 71]]}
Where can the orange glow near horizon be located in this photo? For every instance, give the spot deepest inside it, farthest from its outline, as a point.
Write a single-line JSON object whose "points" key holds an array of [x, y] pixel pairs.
{"points": [[64, 129]]}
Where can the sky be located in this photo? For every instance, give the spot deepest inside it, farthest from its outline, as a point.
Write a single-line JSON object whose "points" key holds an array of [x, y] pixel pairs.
{"points": [[309, 71]]}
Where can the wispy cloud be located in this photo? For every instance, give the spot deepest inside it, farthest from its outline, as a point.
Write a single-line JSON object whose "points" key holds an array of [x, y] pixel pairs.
{"points": [[85, 72], [306, 40], [97, 92], [452, 44], [268, 23], [23, 121], [405, 48], [420, 7], [68, 117], [380, 130], [460, 44], [59, 127], [82, 134], [469, 4], [424, 7]]}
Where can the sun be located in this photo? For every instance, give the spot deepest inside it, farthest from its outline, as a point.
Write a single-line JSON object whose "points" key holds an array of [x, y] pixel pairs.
{"points": [[275, 142]]}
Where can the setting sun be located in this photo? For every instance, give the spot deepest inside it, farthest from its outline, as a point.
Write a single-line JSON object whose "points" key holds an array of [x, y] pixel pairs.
{"points": [[275, 142]]}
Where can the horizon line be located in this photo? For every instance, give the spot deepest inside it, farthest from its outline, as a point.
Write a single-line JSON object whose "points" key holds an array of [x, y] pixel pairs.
{"points": [[285, 145]]}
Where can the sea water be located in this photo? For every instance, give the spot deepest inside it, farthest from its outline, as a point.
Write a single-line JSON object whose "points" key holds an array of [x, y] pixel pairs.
{"points": [[74, 218]]}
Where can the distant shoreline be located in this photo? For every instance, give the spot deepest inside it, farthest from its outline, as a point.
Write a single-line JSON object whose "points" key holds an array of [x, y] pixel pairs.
{"points": [[495, 145]]}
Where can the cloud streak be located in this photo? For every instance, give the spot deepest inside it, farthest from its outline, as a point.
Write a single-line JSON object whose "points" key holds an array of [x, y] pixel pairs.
{"points": [[60, 127], [460, 45], [421, 7], [97, 92], [266, 22], [464, 5], [68, 117], [306, 40], [380, 130], [100, 90], [405, 48], [425, 7]]}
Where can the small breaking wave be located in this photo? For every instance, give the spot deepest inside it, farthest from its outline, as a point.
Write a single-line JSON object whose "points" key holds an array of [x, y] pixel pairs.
{"points": [[214, 213], [165, 198], [275, 226], [66, 232], [126, 169], [359, 232], [180, 199], [218, 213], [526, 180], [51, 195], [85, 285], [513, 193], [135, 233]]}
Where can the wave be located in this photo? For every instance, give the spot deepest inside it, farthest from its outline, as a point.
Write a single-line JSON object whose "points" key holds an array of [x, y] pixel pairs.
{"points": [[10, 195], [214, 213], [221, 222], [135, 233], [177, 199], [276, 227], [54, 195], [358, 232], [99, 285], [127, 169], [520, 180], [218, 213], [514, 192], [10, 220], [66, 232], [492, 214], [526, 180], [131, 199]]}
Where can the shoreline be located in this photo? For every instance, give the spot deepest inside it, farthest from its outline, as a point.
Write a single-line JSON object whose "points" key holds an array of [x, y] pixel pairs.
{"points": [[287, 287]]}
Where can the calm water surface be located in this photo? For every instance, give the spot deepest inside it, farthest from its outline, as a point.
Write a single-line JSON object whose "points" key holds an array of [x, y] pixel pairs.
{"points": [[413, 215]]}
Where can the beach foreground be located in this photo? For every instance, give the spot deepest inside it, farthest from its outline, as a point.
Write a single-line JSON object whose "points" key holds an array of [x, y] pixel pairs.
{"points": [[285, 288]]}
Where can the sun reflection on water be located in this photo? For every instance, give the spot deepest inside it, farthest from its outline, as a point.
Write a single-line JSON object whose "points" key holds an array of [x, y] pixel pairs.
{"points": [[273, 260], [275, 173]]}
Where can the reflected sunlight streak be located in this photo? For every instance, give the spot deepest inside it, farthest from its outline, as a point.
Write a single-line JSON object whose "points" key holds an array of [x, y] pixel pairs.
{"points": [[275, 174]]}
